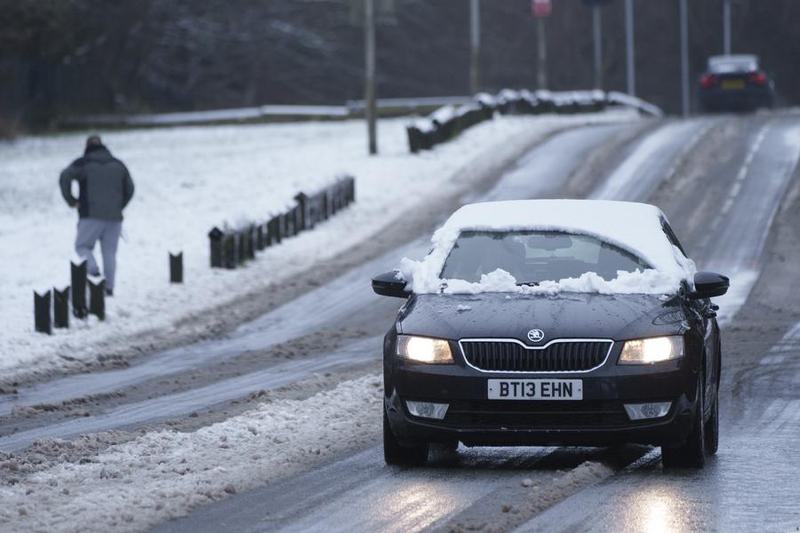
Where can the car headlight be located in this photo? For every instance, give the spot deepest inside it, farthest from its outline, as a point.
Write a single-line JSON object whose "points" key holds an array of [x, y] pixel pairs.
{"points": [[424, 349], [653, 350]]}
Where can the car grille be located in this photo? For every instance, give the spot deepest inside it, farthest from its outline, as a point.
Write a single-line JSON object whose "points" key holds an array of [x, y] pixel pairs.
{"points": [[496, 415], [510, 356]]}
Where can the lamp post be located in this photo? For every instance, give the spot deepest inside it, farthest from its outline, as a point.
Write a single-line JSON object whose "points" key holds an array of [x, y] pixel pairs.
{"points": [[475, 46], [369, 89], [684, 16], [726, 27], [629, 46]]}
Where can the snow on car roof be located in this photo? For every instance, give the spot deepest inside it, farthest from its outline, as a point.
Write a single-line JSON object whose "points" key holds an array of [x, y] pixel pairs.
{"points": [[733, 63], [635, 227]]}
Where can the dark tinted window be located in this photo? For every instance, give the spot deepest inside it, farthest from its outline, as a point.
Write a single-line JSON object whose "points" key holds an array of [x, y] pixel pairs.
{"points": [[534, 256]]}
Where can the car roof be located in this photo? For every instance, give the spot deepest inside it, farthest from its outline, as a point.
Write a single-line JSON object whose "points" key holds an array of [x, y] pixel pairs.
{"points": [[633, 226]]}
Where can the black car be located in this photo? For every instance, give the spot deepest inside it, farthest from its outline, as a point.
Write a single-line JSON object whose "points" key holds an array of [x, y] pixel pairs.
{"points": [[553, 322], [735, 83]]}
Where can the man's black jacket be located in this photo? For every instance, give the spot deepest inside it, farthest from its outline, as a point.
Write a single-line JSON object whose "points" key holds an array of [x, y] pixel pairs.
{"points": [[106, 186]]}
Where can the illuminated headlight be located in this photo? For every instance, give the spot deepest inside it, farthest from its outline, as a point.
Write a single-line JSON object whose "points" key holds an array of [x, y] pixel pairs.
{"points": [[427, 409], [653, 350], [424, 349], [644, 411]]}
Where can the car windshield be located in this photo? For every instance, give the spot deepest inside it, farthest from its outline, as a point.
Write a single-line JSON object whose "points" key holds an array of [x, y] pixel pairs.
{"points": [[725, 65], [535, 256]]}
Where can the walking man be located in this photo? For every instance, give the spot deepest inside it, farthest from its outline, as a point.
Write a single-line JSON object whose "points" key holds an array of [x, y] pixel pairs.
{"points": [[105, 189]]}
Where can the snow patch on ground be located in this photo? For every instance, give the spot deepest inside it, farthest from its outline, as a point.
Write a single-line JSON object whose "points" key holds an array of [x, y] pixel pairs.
{"points": [[163, 474], [189, 179]]}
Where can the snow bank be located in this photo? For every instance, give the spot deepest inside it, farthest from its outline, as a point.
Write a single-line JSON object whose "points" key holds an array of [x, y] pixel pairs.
{"points": [[631, 226], [189, 179], [163, 474]]}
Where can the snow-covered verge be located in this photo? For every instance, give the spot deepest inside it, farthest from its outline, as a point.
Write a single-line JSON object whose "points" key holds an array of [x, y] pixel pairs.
{"points": [[631, 226], [160, 475], [190, 179]]}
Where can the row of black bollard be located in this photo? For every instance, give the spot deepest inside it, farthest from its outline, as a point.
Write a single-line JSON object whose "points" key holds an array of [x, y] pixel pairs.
{"points": [[232, 247], [44, 322], [58, 301], [449, 121]]}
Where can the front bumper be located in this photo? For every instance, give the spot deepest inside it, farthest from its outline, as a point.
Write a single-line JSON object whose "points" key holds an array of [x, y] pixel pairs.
{"points": [[596, 420]]}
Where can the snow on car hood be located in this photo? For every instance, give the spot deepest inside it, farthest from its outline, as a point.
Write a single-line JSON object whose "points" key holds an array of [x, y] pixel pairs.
{"points": [[631, 226]]}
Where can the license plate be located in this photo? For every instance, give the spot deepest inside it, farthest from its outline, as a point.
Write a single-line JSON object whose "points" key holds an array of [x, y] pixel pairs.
{"points": [[535, 389], [735, 85]]}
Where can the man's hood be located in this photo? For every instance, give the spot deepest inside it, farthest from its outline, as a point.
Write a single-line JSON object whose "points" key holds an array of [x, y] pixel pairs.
{"points": [[97, 153], [566, 315]]}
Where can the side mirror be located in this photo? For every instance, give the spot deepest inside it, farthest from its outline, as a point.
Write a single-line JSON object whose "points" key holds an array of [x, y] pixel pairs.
{"points": [[708, 285], [388, 285]]}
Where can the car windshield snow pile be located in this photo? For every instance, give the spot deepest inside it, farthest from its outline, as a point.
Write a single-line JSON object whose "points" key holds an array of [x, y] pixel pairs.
{"points": [[532, 257], [550, 246]]}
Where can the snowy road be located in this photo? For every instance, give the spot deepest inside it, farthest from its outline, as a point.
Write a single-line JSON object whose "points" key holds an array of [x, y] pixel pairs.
{"points": [[721, 180], [358, 492]]}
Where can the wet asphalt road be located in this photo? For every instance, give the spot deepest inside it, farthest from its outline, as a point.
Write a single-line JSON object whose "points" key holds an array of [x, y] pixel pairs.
{"points": [[723, 207]]}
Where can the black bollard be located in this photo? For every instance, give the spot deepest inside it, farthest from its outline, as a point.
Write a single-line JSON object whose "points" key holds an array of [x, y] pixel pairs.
{"points": [[215, 237], [288, 223], [176, 267], [267, 236], [275, 230], [351, 189], [325, 203], [250, 236], [261, 241], [297, 219], [78, 283], [229, 244], [41, 313], [303, 210], [97, 299], [333, 194], [61, 308], [241, 247]]}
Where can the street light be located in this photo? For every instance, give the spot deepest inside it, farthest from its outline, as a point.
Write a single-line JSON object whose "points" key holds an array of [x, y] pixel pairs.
{"points": [[684, 16], [475, 46], [629, 45], [369, 88], [597, 34], [726, 27]]}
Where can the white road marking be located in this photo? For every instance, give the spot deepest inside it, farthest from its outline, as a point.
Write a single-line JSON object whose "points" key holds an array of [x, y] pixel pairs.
{"points": [[743, 172]]}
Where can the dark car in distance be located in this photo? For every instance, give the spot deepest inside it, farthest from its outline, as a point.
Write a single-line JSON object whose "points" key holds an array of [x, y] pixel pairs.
{"points": [[553, 322], [735, 83]]}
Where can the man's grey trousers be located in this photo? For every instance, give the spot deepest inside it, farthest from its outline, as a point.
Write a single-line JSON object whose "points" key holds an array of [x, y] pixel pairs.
{"points": [[91, 230]]}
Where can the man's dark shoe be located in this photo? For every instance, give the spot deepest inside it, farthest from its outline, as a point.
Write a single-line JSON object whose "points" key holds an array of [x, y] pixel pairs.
{"points": [[109, 292]]}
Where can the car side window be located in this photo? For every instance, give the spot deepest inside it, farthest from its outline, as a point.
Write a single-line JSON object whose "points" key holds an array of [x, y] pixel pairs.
{"points": [[672, 237]]}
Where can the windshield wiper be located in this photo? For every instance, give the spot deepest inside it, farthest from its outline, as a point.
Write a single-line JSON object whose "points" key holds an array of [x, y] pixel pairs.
{"points": [[528, 283]]}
